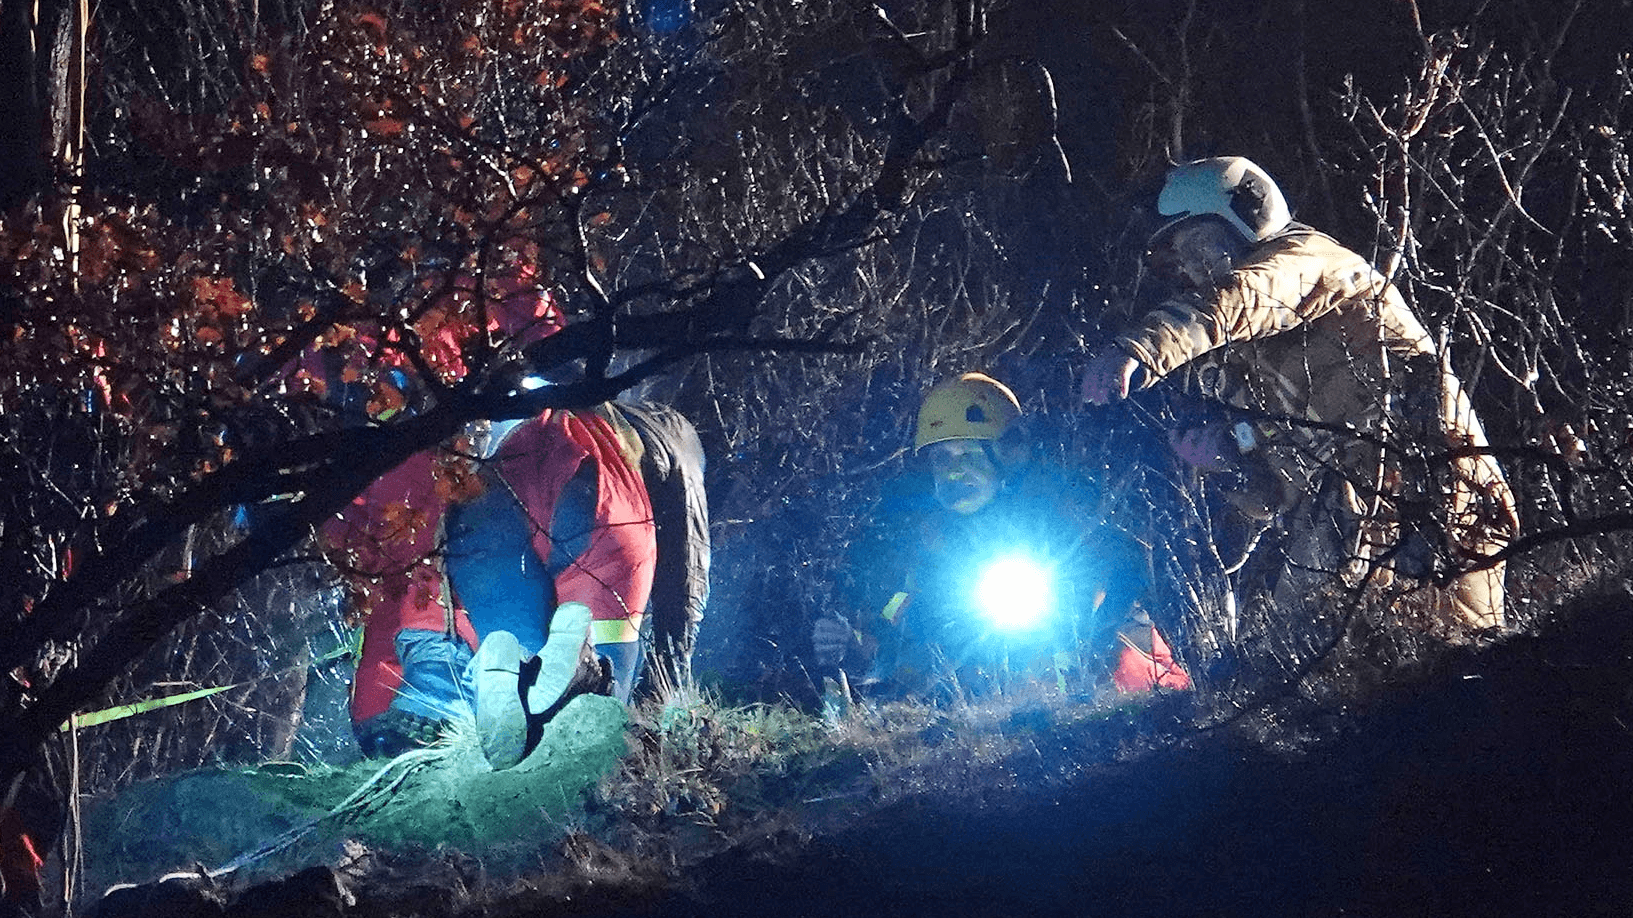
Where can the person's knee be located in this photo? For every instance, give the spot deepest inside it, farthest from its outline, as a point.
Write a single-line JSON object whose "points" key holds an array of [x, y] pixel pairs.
{"points": [[1477, 599], [434, 678]]}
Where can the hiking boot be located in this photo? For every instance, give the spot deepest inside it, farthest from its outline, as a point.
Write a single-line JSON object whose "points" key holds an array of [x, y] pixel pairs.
{"points": [[395, 731], [515, 697], [501, 717], [559, 661]]}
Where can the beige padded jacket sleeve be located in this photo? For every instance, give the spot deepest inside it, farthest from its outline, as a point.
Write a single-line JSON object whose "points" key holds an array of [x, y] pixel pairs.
{"points": [[1283, 284]]}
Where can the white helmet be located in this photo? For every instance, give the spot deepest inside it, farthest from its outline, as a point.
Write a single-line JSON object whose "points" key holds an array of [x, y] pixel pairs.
{"points": [[1230, 187]]}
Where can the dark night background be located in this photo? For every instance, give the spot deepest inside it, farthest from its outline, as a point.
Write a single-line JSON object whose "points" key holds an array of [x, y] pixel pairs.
{"points": [[1398, 777]]}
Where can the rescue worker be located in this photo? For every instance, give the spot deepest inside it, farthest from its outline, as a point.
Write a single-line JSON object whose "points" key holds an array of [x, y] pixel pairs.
{"points": [[989, 509], [512, 569], [1354, 445]]}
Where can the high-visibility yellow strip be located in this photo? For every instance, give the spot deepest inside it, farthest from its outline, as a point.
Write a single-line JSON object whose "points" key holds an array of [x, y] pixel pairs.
{"points": [[893, 608], [616, 630]]}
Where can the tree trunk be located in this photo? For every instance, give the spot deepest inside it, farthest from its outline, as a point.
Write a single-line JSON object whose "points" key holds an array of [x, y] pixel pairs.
{"points": [[21, 105]]}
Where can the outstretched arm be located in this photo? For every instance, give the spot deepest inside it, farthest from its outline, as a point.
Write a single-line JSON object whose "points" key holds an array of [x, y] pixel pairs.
{"points": [[1275, 290]]}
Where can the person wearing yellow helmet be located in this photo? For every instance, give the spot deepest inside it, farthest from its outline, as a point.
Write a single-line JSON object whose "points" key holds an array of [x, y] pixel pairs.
{"points": [[993, 566], [959, 425], [1359, 455]]}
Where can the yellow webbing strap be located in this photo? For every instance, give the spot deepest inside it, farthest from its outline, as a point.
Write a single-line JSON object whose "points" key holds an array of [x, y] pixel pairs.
{"points": [[122, 711], [893, 608]]}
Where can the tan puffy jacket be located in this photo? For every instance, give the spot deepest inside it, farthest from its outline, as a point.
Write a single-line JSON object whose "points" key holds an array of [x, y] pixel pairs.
{"points": [[1307, 330]]}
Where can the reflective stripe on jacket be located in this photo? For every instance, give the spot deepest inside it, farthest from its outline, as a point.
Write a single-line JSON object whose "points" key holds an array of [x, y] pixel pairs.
{"points": [[390, 540]]}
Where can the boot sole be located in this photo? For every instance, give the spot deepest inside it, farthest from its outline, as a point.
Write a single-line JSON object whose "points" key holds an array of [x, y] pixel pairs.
{"points": [[501, 717], [558, 661]]}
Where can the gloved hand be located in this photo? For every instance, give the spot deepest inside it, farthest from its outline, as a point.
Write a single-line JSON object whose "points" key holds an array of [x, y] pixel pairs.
{"points": [[831, 637], [1108, 377]]}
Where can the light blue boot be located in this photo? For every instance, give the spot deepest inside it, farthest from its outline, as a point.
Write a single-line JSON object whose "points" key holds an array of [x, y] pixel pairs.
{"points": [[558, 661], [514, 691], [501, 718]]}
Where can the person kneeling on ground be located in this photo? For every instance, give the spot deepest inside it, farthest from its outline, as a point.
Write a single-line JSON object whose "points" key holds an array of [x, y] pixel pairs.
{"points": [[535, 546], [1000, 569], [513, 568]]}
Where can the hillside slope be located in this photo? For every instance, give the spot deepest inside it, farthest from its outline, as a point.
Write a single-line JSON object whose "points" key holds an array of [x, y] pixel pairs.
{"points": [[1499, 782]]}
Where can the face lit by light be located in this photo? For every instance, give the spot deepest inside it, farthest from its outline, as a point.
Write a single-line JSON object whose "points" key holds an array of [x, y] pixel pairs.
{"points": [[1197, 255], [962, 474], [1013, 593]]}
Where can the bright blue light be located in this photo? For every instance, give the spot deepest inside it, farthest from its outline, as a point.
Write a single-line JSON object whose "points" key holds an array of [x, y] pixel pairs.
{"points": [[1013, 594]]}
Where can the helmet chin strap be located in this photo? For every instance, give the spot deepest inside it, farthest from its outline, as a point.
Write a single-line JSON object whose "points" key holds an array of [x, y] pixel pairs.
{"points": [[999, 466]]}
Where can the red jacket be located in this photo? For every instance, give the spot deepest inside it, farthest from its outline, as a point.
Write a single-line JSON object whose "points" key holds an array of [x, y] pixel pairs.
{"points": [[20, 859], [389, 538], [1146, 662]]}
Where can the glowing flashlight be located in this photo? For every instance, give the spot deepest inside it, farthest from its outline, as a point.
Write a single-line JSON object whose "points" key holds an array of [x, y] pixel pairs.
{"points": [[1013, 593]]}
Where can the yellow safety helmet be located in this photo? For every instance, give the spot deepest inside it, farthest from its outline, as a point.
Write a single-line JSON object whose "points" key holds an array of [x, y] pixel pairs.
{"points": [[973, 406]]}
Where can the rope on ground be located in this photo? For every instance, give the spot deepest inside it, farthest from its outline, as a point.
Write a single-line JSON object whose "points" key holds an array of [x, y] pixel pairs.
{"points": [[374, 788]]}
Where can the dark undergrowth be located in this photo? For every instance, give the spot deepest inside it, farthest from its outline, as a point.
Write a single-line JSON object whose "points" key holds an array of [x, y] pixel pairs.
{"points": [[1488, 780]]}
